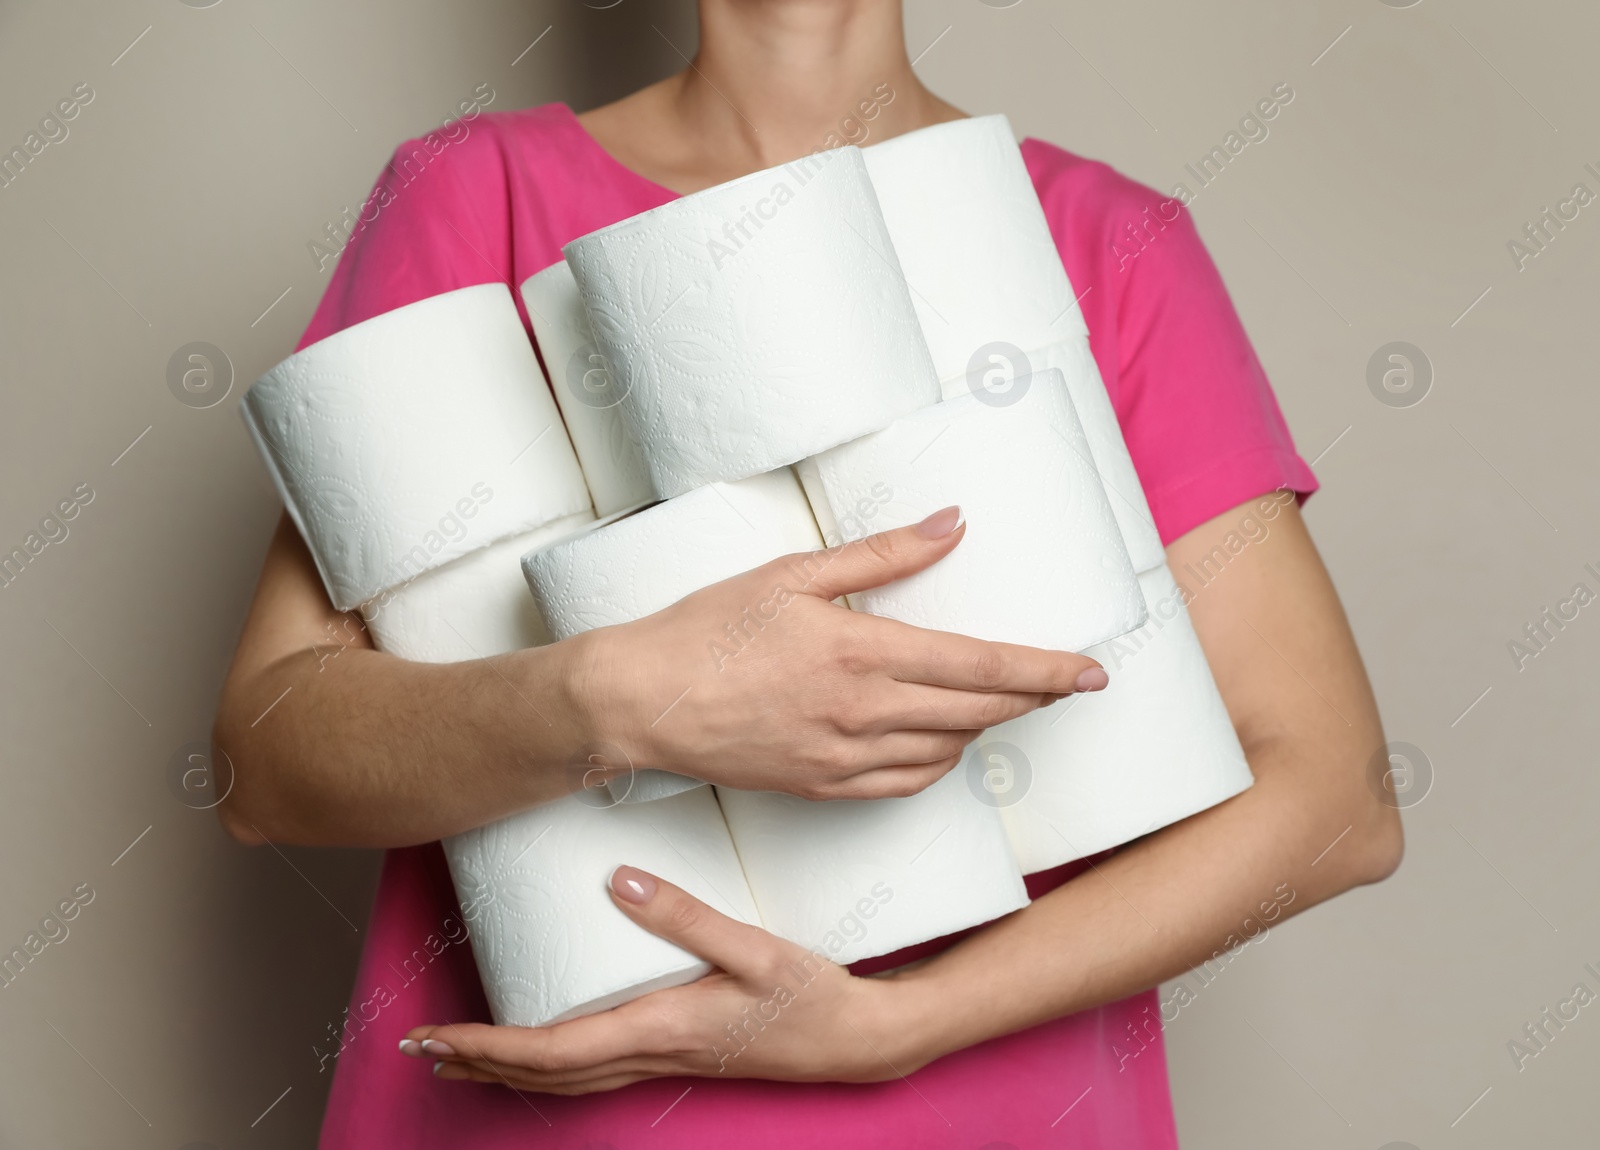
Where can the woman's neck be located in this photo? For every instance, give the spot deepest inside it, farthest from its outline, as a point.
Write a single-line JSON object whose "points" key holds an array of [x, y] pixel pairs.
{"points": [[772, 80]]}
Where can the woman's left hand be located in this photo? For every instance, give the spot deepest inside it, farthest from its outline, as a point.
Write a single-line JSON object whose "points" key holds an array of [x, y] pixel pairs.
{"points": [[770, 1010]]}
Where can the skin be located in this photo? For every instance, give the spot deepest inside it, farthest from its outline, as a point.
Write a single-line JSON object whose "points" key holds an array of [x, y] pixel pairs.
{"points": [[351, 755]]}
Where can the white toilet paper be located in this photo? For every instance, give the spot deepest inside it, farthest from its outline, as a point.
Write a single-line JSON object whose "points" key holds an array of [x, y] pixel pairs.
{"points": [[992, 296], [585, 392], [1098, 770], [473, 607], [548, 941], [755, 323], [635, 565], [855, 880], [973, 241], [409, 440], [1074, 359], [1042, 562], [850, 879]]}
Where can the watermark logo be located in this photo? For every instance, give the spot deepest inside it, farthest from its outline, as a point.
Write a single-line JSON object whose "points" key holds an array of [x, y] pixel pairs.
{"points": [[1552, 621], [999, 374], [589, 771], [998, 773], [1400, 374], [200, 374], [591, 381], [1253, 128], [198, 777], [1400, 775]]}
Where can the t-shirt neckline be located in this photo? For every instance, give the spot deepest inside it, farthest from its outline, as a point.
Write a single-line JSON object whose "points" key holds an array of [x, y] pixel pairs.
{"points": [[611, 161], [617, 165]]}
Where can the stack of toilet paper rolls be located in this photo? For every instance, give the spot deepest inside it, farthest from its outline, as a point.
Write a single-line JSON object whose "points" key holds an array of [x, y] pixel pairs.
{"points": [[1007, 338], [850, 880], [1000, 315], [420, 454], [900, 358], [766, 324]]}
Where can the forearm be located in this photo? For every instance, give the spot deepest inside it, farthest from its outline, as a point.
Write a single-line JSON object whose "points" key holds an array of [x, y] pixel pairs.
{"points": [[355, 747], [334, 743], [1155, 909], [1312, 826]]}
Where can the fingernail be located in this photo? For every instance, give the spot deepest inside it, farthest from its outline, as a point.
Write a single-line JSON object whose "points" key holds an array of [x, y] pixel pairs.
{"points": [[633, 885], [940, 523], [438, 1049], [1092, 679], [411, 1048], [437, 1066]]}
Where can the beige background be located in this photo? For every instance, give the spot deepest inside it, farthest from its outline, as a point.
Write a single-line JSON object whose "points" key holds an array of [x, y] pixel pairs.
{"points": [[189, 993]]}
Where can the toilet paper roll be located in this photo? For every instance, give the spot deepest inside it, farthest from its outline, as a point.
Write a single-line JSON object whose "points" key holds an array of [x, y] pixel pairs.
{"points": [[858, 879], [547, 939], [991, 293], [474, 607], [636, 564], [585, 392], [755, 323], [1075, 360], [973, 241], [1042, 562], [549, 943], [1098, 770], [413, 438]]}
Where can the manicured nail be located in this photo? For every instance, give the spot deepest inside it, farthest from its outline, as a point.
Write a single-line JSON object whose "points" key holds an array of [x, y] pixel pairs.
{"points": [[436, 1049], [940, 523], [633, 885], [411, 1048], [1093, 679], [437, 1066]]}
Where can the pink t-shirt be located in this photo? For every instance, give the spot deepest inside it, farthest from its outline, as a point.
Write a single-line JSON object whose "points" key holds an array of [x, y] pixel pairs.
{"points": [[1206, 435]]}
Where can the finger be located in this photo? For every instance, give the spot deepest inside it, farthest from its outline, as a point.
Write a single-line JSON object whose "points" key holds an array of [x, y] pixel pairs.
{"points": [[894, 782], [944, 659], [877, 559], [923, 707], [582, 1042], [525, 1079], [462, 1072], [912, 750], [677, 916]]}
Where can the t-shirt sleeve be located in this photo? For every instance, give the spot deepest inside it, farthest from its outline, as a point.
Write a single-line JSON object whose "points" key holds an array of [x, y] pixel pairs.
{"points": [[429, 226], [1201, 422], [1200, 418]]}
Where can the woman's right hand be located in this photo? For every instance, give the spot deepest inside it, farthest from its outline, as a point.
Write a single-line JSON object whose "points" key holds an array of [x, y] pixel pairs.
{"points": [[762, 682]]}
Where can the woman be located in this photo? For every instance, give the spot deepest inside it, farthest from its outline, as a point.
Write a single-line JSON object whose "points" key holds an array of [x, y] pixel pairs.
{"points": [[1039, 1029]]}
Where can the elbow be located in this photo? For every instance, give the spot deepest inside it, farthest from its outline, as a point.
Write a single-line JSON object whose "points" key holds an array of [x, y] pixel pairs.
{"points": [[1384, 849], [235, 802], [240, 827], [1380, 844]]}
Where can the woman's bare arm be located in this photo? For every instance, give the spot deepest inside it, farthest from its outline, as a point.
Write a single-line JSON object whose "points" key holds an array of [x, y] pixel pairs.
{"points": [[1310, 828], [334, 742]]}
